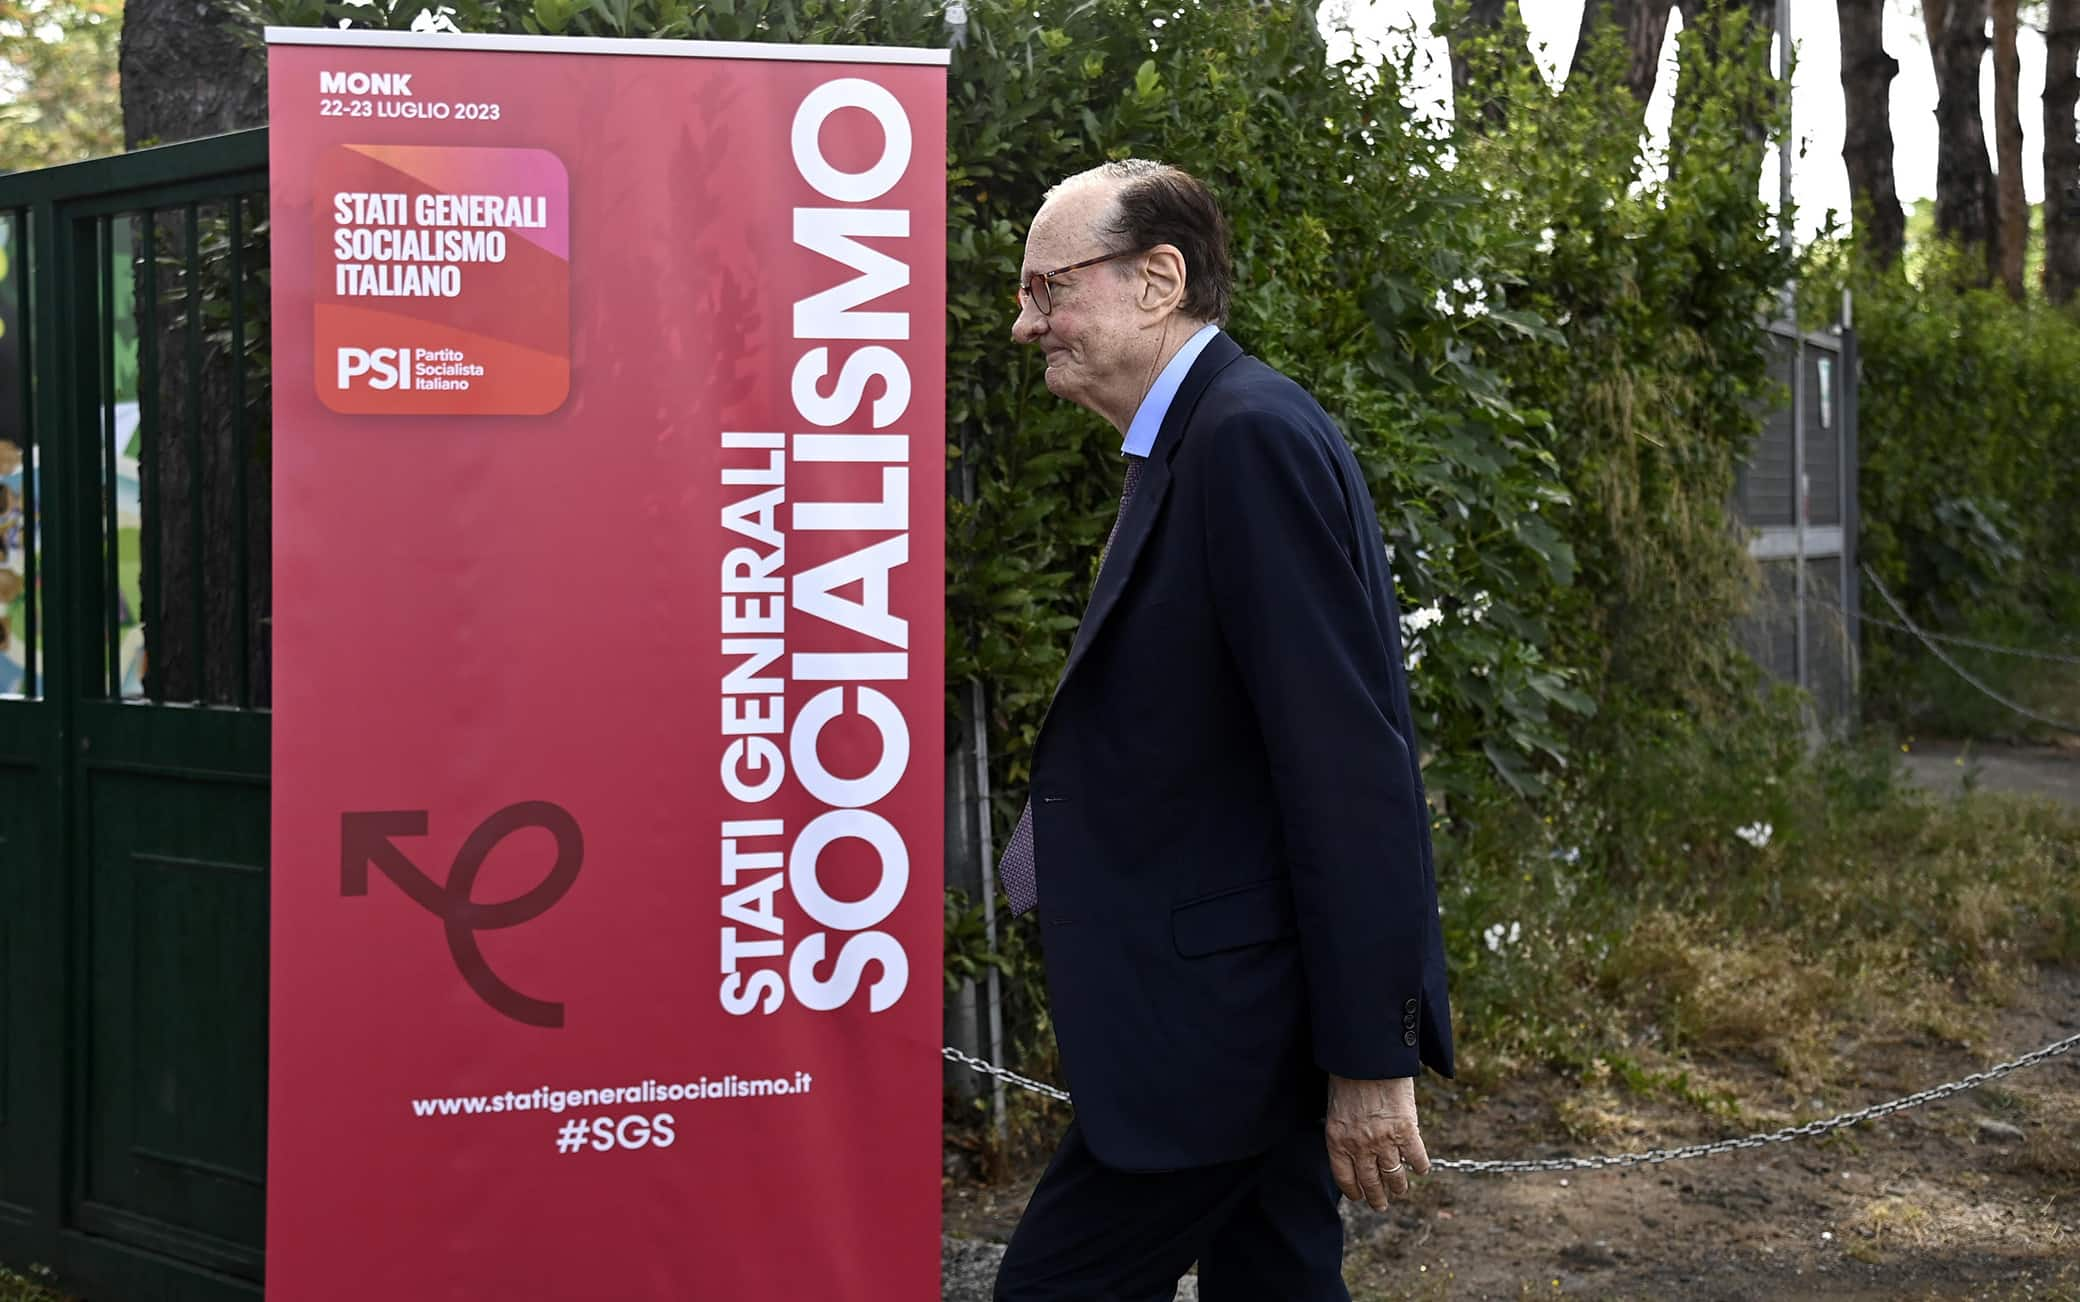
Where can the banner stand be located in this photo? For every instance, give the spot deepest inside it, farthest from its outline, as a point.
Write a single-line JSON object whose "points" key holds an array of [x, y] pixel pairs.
{"points": [[608, 451]]}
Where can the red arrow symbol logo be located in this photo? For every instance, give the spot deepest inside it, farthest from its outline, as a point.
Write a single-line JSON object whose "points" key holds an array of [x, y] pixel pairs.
{"points": [[367, 840]]}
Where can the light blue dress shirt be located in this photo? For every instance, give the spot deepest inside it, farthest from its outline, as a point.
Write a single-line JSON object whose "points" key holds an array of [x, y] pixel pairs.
{"points": [[1148, 417]]}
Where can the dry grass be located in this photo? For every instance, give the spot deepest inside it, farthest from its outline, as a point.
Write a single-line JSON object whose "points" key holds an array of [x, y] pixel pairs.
{"points": [[1746, 994], [1888, 1222], [1872, 916]]}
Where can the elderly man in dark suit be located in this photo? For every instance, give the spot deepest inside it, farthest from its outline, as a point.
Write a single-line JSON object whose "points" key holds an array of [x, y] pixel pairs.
{"points": [[1226, 838]]}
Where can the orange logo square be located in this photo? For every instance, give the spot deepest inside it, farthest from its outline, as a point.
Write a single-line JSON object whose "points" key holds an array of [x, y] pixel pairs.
{"points": [[443, 281]]}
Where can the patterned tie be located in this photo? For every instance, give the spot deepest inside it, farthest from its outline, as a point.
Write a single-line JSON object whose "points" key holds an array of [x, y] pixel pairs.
{"points": [[1021, 880]]}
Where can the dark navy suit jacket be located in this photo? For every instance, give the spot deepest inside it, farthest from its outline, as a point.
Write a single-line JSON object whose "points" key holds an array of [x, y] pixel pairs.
{"points": [[1236, 890]]}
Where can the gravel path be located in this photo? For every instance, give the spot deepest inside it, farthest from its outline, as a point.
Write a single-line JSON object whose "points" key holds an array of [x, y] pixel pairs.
{"points": [[1945, 766]]}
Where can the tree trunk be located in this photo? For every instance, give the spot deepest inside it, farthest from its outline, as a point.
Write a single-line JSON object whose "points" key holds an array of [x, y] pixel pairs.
{"points": [[1643, 25], [2061, 153], [1867, 73], [1488, 46], [2007, 136], [1966, 208], [185, 73]]}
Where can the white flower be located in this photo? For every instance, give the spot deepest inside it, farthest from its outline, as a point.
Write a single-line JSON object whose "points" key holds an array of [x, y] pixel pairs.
{"points": [[1572, 854], [1755, 834], [1472, 296], [1422, 617], [1497, 936]]}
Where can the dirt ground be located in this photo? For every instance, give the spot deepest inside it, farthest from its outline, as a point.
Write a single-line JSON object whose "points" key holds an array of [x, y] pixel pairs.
{"points": [[1977, 1196], [1974, 1197]]}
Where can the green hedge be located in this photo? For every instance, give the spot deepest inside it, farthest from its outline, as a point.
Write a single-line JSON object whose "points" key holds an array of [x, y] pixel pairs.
{"points": [[1970, 490], [1545, 376], [1547, 371], [1653, 374]]}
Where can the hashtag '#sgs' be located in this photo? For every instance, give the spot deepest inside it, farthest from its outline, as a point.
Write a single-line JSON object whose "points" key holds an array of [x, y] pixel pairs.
{"points": [[603, 1134]]}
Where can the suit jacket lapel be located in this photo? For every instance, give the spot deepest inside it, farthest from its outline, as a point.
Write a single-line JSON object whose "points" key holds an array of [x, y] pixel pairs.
{"points": [[1141, 513]]}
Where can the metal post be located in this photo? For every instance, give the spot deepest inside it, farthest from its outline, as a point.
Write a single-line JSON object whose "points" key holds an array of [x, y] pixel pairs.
{"points": [[963, 1015], [971, 860], [1852, 510], [240, 531], [58, 294], [150, 537], [111, 593], [198, 499], [32, 542], [985, 854], [1801, 494], [985, 859]]}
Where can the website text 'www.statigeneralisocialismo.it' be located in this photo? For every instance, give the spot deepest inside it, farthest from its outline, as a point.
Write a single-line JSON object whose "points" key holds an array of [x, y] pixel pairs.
{"points": [[648, 1130]]}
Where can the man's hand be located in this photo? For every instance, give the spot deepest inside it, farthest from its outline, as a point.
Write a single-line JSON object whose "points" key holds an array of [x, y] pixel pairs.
{"points": [[1373, 1141]]}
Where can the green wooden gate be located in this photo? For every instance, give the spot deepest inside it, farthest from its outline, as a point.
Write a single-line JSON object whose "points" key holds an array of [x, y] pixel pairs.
{"points": [[134, 727]]}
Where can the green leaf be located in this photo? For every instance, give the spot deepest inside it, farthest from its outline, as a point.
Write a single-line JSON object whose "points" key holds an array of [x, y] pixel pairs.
{"points": [[1148, 82]]}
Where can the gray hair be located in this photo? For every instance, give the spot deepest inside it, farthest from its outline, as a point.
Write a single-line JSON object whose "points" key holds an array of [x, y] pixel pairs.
{"points": [[1161, 203]]}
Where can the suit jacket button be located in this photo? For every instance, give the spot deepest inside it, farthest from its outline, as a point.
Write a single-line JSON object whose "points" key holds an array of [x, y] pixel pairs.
{"points": [[1409, 1007], [1408, 1038], [1409, 1020]]}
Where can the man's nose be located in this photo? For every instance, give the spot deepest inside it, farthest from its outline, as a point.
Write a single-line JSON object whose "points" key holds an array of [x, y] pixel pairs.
{"points": [[1029, 325]]}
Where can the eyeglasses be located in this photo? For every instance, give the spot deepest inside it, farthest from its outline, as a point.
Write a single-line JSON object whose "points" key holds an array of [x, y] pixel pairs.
{"points": [[1039, 286]]}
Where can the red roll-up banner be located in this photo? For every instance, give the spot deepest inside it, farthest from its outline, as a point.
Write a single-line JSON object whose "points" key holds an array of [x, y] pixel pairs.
{"points": [[608, 466]]}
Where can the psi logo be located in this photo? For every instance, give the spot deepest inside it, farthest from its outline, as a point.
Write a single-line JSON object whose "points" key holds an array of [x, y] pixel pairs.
{"points": [[384, 368], [365, 841]]}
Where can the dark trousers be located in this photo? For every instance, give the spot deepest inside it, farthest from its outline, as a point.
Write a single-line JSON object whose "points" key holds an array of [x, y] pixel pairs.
{"points": [[1264, 1229]]}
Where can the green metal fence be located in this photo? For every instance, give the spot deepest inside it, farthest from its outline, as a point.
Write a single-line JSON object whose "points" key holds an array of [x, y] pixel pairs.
{"points": [[135, 586]]}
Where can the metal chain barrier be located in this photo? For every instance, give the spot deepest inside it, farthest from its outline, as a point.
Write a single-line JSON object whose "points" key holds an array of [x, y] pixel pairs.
{"points": [[1651, 1156], [1951, 639], [1810, 1129], [1004, 1074], [1959, 669]]}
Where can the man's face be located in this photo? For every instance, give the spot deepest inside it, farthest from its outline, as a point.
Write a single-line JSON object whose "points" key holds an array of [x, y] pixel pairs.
{"points": [[1094, 341]]}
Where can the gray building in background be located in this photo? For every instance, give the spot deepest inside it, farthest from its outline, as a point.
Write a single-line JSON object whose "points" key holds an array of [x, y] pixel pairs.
{"points": [[1796, 496]]}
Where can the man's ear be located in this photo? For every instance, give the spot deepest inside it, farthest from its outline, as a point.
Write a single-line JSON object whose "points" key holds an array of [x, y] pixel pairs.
{"points": [[1163, 280]]}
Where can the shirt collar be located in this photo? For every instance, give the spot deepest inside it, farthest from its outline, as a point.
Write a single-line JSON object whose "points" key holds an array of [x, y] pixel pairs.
{"points": [[1148, 417]]}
